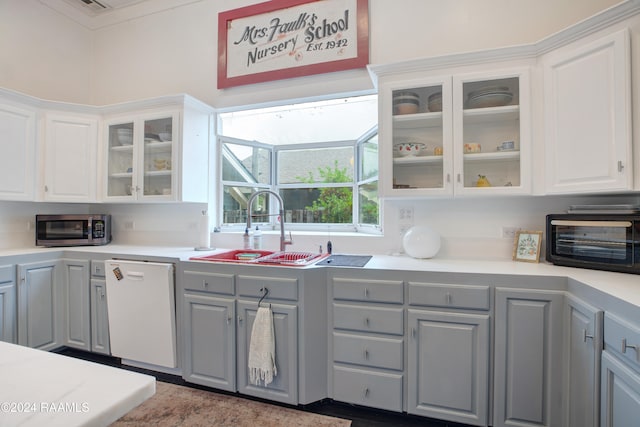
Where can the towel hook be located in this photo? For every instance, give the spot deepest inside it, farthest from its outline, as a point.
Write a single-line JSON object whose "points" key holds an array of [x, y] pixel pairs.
{"points": [[264, 291]]}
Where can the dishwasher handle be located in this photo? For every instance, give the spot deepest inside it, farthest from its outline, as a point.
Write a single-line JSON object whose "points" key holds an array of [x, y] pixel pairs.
{"points": [[135, 275]]}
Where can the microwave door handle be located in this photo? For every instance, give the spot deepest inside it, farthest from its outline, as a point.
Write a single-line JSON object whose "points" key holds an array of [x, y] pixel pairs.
{"points": [[578, 223]]}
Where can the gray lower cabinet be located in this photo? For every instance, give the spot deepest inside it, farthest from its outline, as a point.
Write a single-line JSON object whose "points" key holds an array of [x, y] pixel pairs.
{"points": [[99, 317], [449, 346], [448, 368], [620, 381], [583, 348], [8, 319], [528, 351], [368, 346], [210, 340], [76, 304], [38, 305], [284, 387]]}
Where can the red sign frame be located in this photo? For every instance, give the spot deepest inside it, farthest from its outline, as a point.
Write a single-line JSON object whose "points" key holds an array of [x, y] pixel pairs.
{"points": [[225, 18]]}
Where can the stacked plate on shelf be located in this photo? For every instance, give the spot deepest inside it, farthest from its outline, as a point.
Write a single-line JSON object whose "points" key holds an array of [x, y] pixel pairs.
{"points": [[493, 96], [405, 102]]}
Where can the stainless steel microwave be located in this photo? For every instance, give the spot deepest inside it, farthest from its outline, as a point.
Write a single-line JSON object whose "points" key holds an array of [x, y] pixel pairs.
{"points": [[73, 230], [598, 241]]}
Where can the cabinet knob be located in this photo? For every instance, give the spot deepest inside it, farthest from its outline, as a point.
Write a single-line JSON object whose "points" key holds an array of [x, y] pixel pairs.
{"points": [[586, 336], [366, 321], [240, 319], [229, 319], [620, 166], [46, 189], [625, 346], [366, 392], [205, 283]]}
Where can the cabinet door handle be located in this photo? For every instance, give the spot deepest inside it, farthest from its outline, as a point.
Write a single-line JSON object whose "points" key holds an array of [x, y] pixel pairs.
{"points": [[413, 332], [239, 319], [229, 319], [620, 166], [366, 321], [625, 346], [586, 336], [205, 283], [459, 179], [448, 298], [366, 392], [448, 178], [46, 188]]}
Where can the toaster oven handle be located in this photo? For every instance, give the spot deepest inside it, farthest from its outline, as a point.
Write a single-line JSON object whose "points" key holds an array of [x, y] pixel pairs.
{"points": [[578, 223]]}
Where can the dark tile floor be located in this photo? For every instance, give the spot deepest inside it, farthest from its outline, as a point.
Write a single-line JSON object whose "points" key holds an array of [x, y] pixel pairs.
{"points": [[359, 416]]}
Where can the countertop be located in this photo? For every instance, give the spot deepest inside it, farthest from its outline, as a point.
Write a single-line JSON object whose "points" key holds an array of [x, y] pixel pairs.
{"points": [[620, 285], [47, 389]]}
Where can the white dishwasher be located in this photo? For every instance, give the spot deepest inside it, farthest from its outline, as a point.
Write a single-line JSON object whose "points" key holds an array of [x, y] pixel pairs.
{"points": [[142, 315]]}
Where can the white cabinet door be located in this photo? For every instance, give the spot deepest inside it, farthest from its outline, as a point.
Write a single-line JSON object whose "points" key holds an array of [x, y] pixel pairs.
{"points": [[441, 116], [71, 146], [587, 104], [17, 153]]}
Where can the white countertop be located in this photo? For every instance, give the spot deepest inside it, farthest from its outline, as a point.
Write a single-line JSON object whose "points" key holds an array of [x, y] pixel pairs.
{"points": [[620, 285], [38, 388]]}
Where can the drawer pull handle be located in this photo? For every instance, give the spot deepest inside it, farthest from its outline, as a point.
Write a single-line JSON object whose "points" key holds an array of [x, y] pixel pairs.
{"points": [[366, 392], [625, 346], [448, 296], [585, 336], [366, 292], [205, 283], [366, 354], [366, 321]]}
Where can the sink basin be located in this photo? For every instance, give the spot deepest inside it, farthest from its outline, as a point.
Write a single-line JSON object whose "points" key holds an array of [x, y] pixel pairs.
{"points": [[237, 255], [250, 256]]}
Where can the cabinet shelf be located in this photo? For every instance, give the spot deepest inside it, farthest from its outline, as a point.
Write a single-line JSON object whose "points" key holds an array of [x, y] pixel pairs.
{"points": [[413, 160], [418, 120], [498, 155], [128, 175], [158, 147], [125, 148], [481, 115], [166, 172]]}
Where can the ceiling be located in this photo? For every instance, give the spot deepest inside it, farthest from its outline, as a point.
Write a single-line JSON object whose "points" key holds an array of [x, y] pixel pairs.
{"points": [[95, 14]]}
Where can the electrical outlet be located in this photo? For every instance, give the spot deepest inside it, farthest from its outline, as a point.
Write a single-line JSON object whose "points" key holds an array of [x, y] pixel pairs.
{"points": [[405, 215], [509, 232]]}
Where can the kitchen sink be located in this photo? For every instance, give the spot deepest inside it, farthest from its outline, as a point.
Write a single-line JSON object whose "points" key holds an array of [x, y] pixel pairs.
{"points": [[250, 256]]}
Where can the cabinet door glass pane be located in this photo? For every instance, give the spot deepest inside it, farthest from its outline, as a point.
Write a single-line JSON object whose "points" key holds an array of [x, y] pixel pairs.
{"points": [[491, 133], [120, 162], [158, 144], [418, 138]]}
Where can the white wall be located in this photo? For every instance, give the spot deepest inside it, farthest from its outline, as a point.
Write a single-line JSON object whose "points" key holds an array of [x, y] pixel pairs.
{"points": [[43, 53]]}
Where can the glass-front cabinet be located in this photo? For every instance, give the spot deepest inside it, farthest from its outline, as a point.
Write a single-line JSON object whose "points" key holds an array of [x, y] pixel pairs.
{"points": [[141, 158], [456, 134]]}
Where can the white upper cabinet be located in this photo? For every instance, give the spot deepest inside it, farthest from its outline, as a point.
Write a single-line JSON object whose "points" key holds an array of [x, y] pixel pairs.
{"points": [[587, 112], [456, 134], [17, 152], [159, 154], [70, 157]]}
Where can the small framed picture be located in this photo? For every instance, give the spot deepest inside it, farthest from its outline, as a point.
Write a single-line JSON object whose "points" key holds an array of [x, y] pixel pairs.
{"points": [[526, 246]]}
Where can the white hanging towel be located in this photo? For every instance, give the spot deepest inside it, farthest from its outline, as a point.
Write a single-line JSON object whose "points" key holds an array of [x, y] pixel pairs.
{"points": [[262, 348]]}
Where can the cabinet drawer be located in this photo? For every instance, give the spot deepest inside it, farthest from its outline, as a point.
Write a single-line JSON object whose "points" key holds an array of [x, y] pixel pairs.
{"points": [[279, 287], [97, 268], [377, 352], [209, 282], [376, 389], [390, 291], [623, 338], [7, 273], [368, 319], [445, 295]]}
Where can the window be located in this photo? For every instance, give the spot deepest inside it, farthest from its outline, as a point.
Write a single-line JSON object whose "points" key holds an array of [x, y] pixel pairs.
{"points": [[321, 157]]}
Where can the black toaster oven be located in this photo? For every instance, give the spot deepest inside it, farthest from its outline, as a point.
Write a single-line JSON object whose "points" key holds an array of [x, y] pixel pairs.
{"points": [[598, 241]]}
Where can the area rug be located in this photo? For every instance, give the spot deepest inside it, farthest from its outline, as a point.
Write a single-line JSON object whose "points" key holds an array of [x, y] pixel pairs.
{"points": [[179, 406]]}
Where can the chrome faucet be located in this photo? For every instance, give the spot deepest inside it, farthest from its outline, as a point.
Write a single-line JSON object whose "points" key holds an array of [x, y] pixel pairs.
{"points": [[283, 240]]}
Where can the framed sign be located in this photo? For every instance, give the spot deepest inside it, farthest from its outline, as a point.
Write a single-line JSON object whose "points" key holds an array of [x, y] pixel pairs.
{"points": [[526, 246], [291, 38]]}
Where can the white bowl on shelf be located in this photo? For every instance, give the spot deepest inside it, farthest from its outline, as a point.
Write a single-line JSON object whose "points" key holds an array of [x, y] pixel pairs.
{"points": [[125, 136]]}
